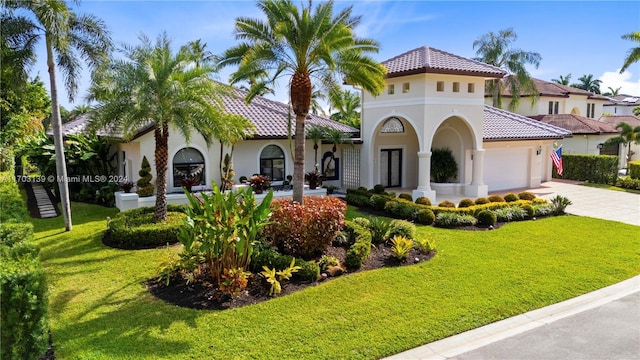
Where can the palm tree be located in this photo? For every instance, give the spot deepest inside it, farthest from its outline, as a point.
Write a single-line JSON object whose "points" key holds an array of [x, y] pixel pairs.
{"points": [[346, 105], [612, 91], [634, 53], [628, 135], [317, 95], [305, 44], [316, 134], [198, 49], [66, 36], [154, 85], [497, 50], [587, 82], [562, 80]]}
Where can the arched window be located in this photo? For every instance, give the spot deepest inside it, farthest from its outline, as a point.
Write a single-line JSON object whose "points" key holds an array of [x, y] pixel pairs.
{"points": [[188, 163], [392, 125], [272, 163]]}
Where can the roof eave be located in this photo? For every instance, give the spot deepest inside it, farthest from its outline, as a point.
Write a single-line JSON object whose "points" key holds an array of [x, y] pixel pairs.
{"points": [[425, 70]]}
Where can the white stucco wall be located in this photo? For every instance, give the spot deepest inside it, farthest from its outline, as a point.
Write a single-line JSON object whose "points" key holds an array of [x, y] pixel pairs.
{"points": [[516, 164], [565, 105], [618, 109]]}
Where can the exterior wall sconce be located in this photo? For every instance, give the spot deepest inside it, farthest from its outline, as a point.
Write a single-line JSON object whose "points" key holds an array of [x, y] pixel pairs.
{"points": [[539, 150], [600, 146]]}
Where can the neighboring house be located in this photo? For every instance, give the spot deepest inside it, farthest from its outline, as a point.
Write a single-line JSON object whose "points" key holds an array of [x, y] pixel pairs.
{"points": [[633, 121], [434, 99], [268, 152], [553, 99], [621, 105]]}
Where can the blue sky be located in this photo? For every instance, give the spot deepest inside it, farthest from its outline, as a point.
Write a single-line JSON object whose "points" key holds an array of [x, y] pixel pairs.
{"points": [[577, 37]]}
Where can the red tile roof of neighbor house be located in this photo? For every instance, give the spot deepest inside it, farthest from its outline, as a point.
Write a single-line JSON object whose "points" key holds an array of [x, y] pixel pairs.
{"points": [[547, 88], [429, 60], [576, 124], [270, 118], [500, 125], [614, 120], [623, 100]]}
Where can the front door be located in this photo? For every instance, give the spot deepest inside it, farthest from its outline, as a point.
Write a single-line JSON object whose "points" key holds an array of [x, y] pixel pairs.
{"points": [[391, 167]]}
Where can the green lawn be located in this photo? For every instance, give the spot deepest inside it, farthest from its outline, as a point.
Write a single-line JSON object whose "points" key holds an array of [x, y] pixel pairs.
{"points": [[101, 310], [610, 187]]}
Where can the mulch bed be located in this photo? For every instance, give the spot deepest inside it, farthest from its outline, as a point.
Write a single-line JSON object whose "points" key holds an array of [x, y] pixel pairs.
{"points": [[107, 241], [204, 295]]}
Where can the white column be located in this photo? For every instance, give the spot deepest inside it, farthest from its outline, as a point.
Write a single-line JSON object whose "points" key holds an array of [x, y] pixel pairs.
{"points": [[424, 177], [478, 166]]}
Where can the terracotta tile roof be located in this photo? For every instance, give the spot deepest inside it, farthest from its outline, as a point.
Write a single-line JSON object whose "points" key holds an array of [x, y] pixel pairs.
{"points": [[79, 125], [500, 124], [429, 60], [576, 124], [623, 100], [269, 117], [548, 88], [617, 119]]}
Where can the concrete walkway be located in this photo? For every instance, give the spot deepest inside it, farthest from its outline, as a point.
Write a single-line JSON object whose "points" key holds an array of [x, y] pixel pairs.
{"points": [[604, 324]]}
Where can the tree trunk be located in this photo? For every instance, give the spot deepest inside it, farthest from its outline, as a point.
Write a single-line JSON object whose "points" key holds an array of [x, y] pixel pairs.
{"points": [[161, 154], [496, 93], [56, 125], [300, 93]]}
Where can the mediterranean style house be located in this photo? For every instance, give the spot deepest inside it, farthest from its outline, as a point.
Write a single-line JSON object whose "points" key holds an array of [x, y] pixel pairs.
{"points": [[433, 100]]}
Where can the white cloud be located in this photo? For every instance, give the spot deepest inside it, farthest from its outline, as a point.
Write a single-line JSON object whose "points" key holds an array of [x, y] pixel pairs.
{"points": [[614, 80]]}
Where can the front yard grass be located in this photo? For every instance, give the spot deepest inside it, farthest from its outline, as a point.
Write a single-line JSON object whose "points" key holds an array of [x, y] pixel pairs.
{"points": [[610, 187], [100, 308]]}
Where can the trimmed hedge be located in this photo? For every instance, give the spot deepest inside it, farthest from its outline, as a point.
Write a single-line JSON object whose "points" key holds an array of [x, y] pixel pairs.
{"points": [[23, 290], [452, 220], [634, 169], [599, 169], [629, 183], [309, 270], [136, 228]]}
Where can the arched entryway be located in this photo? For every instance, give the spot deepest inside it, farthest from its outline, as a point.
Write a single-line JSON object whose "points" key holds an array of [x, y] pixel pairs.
{"points": [[395, 145]]}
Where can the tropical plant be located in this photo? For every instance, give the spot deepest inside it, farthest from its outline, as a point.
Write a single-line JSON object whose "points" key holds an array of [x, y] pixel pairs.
{"points": [[304, 44], [66, 36], [275, 278], [443, 165], [563, 80], [234, 280], [634, 53], [222, 227], [497, 50], [314, 179], [588, 83], [126, 186], [612, 91], [345, 105], [560, 203], [153, 85], [400, 247], [424, 244], [259, 183], [316, 134], [628, 135]]}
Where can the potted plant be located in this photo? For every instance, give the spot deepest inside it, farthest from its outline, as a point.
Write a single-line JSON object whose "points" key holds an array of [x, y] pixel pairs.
{"points": [[259, 183], [443, 165], [330, 189], [314, 179], [189, 182], [126, 186]]}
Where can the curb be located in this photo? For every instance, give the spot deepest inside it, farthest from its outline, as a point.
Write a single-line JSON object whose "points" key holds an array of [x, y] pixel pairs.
{"points": [[500, 330]]}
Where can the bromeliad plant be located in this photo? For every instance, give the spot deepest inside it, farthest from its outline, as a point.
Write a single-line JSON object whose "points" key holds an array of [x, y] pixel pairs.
{"points": [[275, 278], [222, 227]]}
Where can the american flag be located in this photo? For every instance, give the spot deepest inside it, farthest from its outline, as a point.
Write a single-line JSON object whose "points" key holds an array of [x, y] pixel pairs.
{"points": [[556, 156]]}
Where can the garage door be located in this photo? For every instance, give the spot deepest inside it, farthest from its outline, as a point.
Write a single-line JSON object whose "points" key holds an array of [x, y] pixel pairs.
{"points": [[506, 168]]}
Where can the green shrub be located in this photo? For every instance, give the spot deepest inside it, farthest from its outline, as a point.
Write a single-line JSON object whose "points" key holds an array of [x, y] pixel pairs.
{"points": [[634, 169], [482, 200], [309, 270], [529, 210], [361, 248], [464, 203], [447, 204], [12, 233], [7, 159], [405, 196], [599, 169], [629, 183], [560, 203], [305, 230], [543, 209], [328, 260], [423, 201], [486, 218], [539, 201], [12, 207], [452, 220], [511, 197], [378, 228], [496, 198], [144, 185], [514, 213], [424, 245], [378, 189], [23, 303], [358, 200], [137, 228], [425, 217], [443, 165], [401, 228], [364, 222], [378, 201], [526, 195]]}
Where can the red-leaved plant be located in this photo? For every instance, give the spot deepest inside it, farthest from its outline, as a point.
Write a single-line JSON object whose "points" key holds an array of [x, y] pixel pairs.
{"points": [[305, 230]]}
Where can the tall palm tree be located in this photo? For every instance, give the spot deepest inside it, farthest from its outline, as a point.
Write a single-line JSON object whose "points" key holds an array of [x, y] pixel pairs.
{"points": [[628, 135], [497, 50], [563, 80], [612, 91], [587, 82], [316, 134], [633, 55], [154, 85], [67, 35], [304, 44], [346, 105]]}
